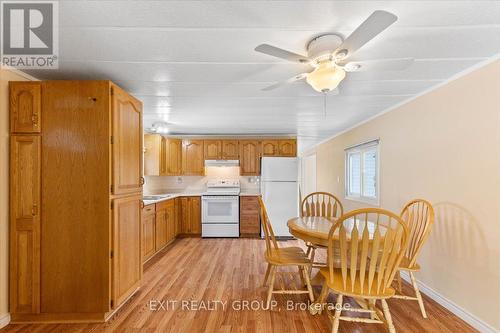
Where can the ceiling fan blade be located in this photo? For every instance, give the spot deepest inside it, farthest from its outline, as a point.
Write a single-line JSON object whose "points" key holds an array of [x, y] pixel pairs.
{"points": [[280, 53], [282, 83], [381, 65], [377, 22]]}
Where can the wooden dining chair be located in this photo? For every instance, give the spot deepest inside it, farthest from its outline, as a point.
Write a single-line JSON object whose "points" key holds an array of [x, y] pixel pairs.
{"points": [[371, 243], [418, 215], [277, 256], [322, 204]]}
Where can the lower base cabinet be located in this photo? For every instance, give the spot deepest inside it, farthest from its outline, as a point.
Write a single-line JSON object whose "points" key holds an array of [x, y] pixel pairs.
{"points": [[249, 216], [164, 221], [148, 246], [190, 216], [126, 256]]}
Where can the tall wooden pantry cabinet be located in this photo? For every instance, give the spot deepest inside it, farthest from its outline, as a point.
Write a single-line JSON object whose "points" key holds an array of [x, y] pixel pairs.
{"points": [[75, 200]]}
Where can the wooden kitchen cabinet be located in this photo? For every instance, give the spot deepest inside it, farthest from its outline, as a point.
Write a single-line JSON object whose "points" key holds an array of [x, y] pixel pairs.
{"points": [[171, 220], [126, 142], [287, 148], [249, 157], [230, 150], [270, 148], [171, 157], [148, 248], [193, 163], [25, 224], [249, 216], [25, 107], [153, 154], [79, 177], [162, 156], [190, 215], [126, 256], [213, 149], [221, 149], [161, 229]]}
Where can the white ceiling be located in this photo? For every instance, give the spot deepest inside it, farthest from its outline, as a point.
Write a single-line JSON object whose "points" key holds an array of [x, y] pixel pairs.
{"points": [[193, 65]]}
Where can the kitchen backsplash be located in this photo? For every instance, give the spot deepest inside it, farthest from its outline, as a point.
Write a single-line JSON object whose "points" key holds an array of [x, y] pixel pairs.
{"points": [[166, 184]]}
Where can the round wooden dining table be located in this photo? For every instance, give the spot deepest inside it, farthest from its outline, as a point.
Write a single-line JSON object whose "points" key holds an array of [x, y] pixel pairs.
{"points": [[312, 229], [315, 229]]}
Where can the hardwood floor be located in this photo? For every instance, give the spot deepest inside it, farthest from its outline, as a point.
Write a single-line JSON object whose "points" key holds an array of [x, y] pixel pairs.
{"points": [[232, 270]]}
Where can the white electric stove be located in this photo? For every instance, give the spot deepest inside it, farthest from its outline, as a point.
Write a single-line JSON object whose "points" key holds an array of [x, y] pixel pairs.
{"points": [[220, 209]]}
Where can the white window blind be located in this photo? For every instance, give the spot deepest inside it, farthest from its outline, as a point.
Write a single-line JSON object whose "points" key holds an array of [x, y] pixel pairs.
{"points": [[362, 170]]}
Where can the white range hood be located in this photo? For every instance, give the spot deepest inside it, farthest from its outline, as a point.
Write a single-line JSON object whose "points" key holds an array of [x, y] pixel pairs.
{"points": [[222, 163]]}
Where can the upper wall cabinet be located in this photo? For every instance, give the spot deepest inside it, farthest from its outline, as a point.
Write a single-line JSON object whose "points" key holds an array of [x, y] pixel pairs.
{"points": [[127, 142], [230, 150], [270, 148], [213, 149], [249, 158], [152, 154], [162, 156], [221, 149], [172, 157], [25, 107], [287, 148], [193, 163]]}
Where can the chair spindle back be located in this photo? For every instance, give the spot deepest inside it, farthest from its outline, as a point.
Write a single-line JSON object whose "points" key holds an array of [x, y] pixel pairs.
{"points": [[419, 217], [371, 243], [322, 204]]}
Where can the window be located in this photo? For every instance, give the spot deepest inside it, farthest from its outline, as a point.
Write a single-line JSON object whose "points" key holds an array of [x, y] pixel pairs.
{"points": [[362, 172]]}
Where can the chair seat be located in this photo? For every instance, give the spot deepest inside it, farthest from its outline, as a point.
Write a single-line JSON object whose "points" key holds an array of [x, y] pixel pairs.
{"points": [[405, 264], [337, 285], [287, 256]]}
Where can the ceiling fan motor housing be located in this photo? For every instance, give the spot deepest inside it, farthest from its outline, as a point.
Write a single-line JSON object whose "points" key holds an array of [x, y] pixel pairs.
{"points": [[322, 47]]}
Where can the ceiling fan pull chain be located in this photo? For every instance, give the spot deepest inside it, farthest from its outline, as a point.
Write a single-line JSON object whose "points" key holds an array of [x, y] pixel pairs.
{"points": [[324, 101]]}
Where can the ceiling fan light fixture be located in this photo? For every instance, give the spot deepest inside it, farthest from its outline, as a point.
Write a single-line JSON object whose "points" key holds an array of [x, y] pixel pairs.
{"points": [[326, 77]]}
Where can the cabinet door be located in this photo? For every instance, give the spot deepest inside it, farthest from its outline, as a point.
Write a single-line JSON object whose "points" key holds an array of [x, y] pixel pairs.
{"points": [[126, 235], [25, 224], [148, 235], [287, 148], [171, 220], [173, 157], [270, 148], [230, 150], [177, 216], [195, 215], [25, 107], [213, 149], [127, 142], [192, 158], [161, 229], [152, 154], [185, 226], [249, 158]]}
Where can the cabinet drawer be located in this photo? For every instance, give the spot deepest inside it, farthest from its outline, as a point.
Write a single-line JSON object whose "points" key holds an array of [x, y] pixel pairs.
{"points": [[249, 204], [250, 224], [149, 209], [164, 204]]}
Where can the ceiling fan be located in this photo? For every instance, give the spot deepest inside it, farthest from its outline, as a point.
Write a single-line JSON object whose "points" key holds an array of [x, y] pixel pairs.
{"points": [[328, 54]]}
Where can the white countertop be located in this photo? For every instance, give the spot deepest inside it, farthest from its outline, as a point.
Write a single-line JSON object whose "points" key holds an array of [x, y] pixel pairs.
{"points": [[190, 194]]}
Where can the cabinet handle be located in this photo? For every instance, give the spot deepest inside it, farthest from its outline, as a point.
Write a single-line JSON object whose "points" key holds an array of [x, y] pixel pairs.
{"points": [[141, 181], [34, 209], [34, 119], [142, 204]]}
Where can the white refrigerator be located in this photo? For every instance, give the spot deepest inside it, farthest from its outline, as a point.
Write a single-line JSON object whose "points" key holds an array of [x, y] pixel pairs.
{"points": [[280, 192]]}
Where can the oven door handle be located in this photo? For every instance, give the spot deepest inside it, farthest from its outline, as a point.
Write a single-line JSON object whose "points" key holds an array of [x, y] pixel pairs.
{"points": [[219, 198]]}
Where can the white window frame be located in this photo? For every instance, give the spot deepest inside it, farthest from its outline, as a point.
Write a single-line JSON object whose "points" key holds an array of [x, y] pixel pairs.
{"points": [[361, 148]]}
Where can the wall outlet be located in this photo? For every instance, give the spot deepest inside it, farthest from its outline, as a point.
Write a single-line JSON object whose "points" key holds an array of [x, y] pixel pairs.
{"points": [[179, 180]]}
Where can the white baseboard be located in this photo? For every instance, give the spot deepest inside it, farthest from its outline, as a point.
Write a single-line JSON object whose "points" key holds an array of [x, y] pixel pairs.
{"points": [[469, 318], [4, 320]]}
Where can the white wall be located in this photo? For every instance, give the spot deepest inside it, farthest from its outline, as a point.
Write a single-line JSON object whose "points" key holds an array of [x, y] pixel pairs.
{"points": [[445, 147]]}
